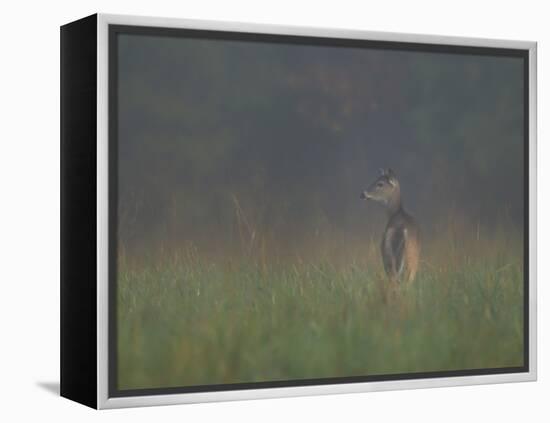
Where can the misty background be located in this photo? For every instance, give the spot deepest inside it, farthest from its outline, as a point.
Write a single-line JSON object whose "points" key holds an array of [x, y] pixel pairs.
{"points": [[228, 144]]}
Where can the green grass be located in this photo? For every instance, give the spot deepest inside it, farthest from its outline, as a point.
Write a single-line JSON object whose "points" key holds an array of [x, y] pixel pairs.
{"points": [[186, 320]]}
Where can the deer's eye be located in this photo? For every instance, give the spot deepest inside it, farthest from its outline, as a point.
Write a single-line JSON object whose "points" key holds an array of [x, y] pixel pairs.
{"points": [[379, 184]]}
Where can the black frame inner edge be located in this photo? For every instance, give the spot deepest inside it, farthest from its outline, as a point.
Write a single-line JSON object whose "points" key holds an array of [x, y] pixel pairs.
{"points": [[114, 30]]}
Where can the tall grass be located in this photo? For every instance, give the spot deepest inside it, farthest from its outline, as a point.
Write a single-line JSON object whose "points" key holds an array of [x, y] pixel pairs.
{"points": [[188, 319]]}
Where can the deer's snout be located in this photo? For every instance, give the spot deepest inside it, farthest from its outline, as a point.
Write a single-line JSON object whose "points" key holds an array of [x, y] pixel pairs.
{"points": [[364, 195]]}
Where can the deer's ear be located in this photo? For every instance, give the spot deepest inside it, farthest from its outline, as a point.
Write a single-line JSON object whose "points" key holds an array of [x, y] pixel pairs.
{"points": [[391, 177], [382, 172]]}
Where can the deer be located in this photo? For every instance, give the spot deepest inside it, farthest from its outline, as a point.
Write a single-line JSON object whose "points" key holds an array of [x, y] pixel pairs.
{"points": [[400, 245]]}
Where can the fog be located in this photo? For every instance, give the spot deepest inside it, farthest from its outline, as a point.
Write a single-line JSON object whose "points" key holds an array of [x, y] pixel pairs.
{"points": [[220, 140]]}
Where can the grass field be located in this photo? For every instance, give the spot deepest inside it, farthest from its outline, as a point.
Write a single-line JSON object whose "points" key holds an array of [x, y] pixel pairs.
{"points": [[187, 320]]}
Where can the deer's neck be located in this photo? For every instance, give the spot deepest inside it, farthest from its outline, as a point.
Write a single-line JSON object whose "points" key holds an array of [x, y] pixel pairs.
{"points": [[394, 203]]}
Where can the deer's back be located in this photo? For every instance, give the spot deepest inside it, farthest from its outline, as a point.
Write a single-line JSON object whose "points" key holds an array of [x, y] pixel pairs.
{"points": [[401, 247]]}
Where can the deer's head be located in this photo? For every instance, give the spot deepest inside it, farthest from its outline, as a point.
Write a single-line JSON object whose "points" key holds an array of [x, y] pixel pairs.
{"points": [[385, 189]]}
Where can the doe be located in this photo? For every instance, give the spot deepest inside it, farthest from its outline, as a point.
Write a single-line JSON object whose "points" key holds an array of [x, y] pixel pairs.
{"points": [[401, 240]]}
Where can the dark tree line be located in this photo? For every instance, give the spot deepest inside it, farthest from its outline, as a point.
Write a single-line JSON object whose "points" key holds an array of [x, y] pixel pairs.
{"points": [[290, 135]]}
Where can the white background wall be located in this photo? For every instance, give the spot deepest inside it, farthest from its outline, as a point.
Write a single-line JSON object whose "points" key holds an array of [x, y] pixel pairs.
{"points": [[29, 192]]}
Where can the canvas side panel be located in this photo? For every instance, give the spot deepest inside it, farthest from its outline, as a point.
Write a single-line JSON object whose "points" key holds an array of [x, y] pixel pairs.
{"points": [[78, 211]]}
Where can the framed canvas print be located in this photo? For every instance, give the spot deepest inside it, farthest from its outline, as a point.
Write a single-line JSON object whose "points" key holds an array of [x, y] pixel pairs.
{"points": [[253, 211]]}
